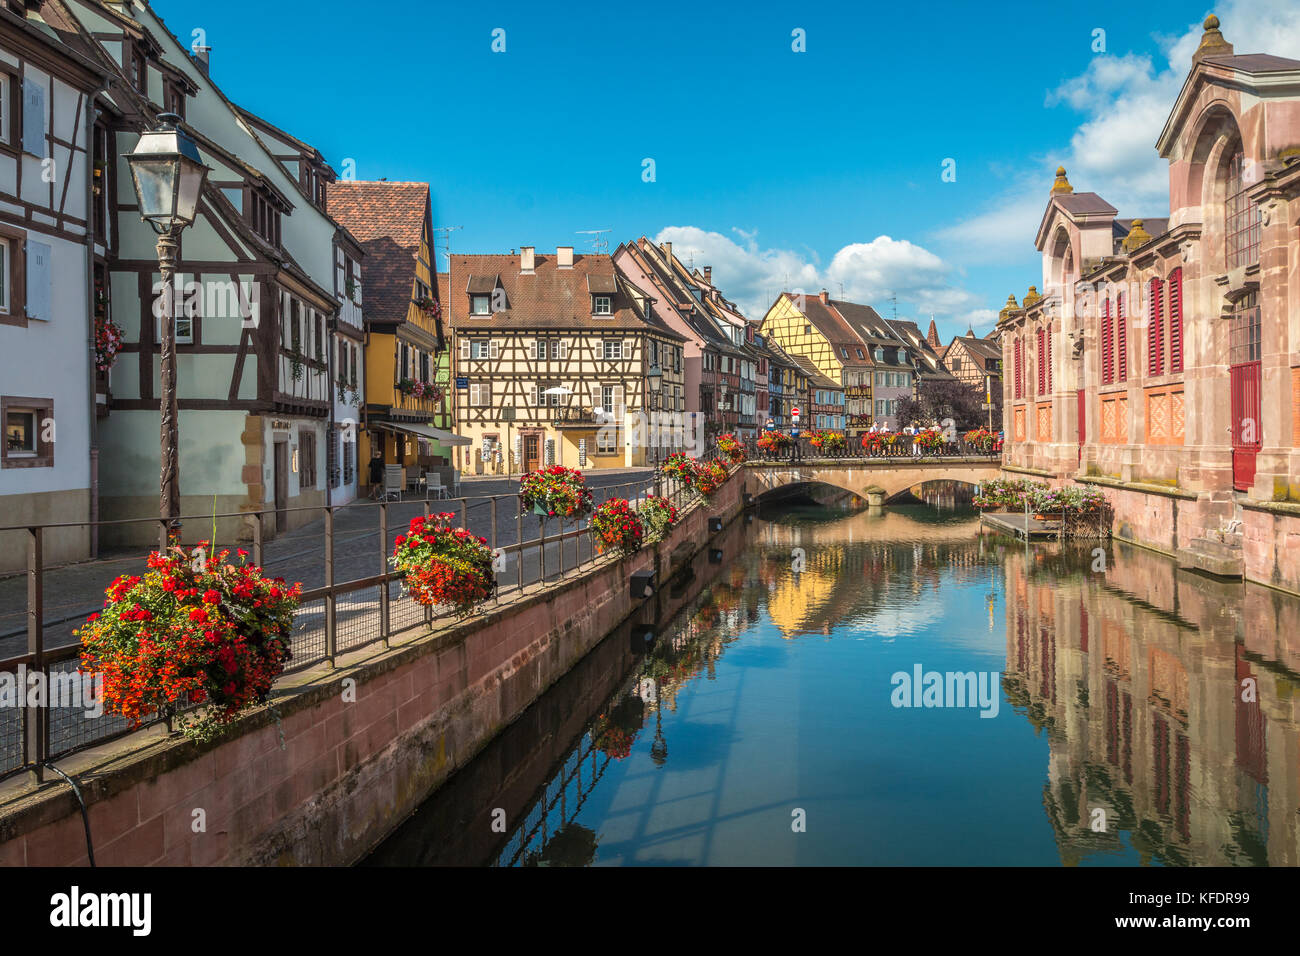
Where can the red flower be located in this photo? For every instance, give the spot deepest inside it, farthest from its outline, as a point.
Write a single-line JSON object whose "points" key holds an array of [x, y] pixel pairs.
{"points": [[211, 597], [198, 615]]}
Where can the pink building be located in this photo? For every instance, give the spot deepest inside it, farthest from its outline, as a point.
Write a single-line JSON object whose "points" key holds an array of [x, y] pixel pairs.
{"points": [[1162, 361]]}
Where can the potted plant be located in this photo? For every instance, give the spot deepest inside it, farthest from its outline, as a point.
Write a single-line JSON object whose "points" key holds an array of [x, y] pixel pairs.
{"points": [[658, 515], [615, 526], [192, 630], [681, 467], [981, 439], [444, 565], [730, 447], [930, 439], [709, 476], [555, 491], [108, 342], [773, 442]]}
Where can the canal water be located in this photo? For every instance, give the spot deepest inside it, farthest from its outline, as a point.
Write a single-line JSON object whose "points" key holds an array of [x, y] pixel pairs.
{"points": [[835, 686]]}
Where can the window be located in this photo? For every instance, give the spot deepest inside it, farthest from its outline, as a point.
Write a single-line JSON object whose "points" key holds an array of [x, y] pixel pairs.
{"points": [[28, 432], [1174, 293], [1244, 331], [306, 460], [600, 305], [613, 349], [479, 349], [559, 349], [264, 217], [480, 394], [1107, 344], [480, 305], [1155, 335], [4, 276], [1241, 217], [606, 441], [174, 99], [139, 71], [1121, 340], [844, 352], [860, 355], [880, 355], [956, 363]]}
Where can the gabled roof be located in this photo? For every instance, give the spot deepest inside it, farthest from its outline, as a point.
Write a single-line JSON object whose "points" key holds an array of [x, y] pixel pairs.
{"points": [[549, 297], [388, 220], [815, 377], [674, 293]]}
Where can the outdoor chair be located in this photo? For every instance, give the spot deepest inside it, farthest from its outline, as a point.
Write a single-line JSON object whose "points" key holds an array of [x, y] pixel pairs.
{"points": [[394, 482], [433, 485]]}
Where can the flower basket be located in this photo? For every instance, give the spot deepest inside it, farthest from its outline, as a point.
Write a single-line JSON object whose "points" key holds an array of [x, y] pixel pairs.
{"points": [[108, 342], [191, 630], [555, 491], [930, 439], [773, 441], [681, 467], [615, 526], [443, 565], [709, 476], [981, 439], [729, 446], [658, 516]]}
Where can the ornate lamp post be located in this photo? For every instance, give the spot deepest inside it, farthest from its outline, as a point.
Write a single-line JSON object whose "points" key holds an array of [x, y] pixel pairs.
{"points": [[168, 174], [654, 376]]}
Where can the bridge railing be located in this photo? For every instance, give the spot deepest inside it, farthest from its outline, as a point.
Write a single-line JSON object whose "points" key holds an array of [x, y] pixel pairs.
{"points": [[853, 449]]}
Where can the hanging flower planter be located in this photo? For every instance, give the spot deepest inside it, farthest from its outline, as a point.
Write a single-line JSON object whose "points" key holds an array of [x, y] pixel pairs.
{"points": [[555, 491], [615, 526], [729, 446], [443, 565], [190, 631]]}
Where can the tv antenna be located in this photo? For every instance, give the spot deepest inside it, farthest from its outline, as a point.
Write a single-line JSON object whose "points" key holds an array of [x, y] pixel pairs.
{"points": [[445, 232], [599, 243]]}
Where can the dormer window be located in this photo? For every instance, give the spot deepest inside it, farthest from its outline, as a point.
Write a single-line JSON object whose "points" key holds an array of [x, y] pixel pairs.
{"points": [[264, 217], [880, 354], [138, 69], [860, 355], [602, 305], [174, 99], [480, 304]]}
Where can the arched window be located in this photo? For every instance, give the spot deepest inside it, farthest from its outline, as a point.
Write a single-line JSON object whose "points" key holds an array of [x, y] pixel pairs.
{"points": [[1240, 216]]}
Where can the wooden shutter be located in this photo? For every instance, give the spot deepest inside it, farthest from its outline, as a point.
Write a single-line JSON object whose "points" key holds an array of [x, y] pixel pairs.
{"points": [[620, 408], [1042, 363], [1107, 344], [33, 118], [38, 280], [1019, 368], [534, 395], [532, 349], [464, 350], [1155, 340], [1176, 320], [1049, 360], [1121, 340], [494, 349]]}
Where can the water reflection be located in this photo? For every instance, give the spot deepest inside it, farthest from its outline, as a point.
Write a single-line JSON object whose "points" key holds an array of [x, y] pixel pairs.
{"points": [[1150, 716]]}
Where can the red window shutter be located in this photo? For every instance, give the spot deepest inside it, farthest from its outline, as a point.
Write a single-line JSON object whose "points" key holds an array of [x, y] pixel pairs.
{"points": [[1107, 345], [1042, 363], [1049, 359], [1176, 320], [1121, 340], [1155, 340], [1019, 368]]}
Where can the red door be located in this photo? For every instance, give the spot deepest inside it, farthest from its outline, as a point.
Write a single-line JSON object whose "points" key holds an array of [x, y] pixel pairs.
{"points": [[1244, 381], [1083, 422]]}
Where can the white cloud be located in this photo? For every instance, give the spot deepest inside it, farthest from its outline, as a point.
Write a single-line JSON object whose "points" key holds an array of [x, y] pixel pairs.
{"points": [[1125, 100], [868, 272]]}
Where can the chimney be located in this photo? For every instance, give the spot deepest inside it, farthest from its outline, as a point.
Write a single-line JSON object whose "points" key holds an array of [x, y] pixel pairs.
{"points": [[708, 274], [526, 260], [668, 251], [825, 297], [203, 55], [564, 257]]}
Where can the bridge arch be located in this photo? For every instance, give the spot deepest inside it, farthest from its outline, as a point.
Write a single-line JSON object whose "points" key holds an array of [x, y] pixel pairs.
{"points": [[875, 480]]}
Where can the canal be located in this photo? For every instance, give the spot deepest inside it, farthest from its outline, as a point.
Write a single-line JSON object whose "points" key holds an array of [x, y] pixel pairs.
{"points": [[835, 686]]}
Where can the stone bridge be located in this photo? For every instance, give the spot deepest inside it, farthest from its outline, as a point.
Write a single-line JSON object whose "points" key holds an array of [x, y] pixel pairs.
{"points": [[875, 479]]}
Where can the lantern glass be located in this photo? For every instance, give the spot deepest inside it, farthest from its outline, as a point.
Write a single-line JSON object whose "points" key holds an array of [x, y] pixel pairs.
{"points": [[168, 175]]}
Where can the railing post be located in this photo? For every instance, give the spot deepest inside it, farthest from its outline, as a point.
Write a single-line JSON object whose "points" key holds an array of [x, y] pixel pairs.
{"points": [[541, 553], [519, 546], [493, 545], [384, 609], [561, 547], [257, 538], [331, 629], [35, 737]]}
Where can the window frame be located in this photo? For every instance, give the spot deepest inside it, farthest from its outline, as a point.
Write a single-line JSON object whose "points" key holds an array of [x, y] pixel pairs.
{"points": [[42, 409]]}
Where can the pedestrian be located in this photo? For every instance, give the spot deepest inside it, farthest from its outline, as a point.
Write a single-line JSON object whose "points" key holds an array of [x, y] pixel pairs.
{"points": [[377, 475]]}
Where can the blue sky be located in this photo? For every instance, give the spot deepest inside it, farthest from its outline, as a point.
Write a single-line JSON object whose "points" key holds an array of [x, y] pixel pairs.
{"points": [[824, 166]]}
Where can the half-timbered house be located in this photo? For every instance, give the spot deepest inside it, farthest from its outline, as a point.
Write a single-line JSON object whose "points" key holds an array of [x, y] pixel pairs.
{"points": [[47, 286], [555, 353], [255, 293]]}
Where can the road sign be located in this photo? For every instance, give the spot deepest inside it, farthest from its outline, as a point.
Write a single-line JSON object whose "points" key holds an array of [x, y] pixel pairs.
{"points": [[794, 412], [462, 381]]}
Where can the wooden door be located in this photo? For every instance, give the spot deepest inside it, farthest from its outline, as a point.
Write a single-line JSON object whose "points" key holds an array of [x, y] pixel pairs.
{"points": [[532, 452], [1244, 380], [281, 485]]}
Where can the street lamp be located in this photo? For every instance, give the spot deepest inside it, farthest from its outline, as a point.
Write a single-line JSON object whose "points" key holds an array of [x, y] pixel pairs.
{"points": [[654, 376], [168, 174]]}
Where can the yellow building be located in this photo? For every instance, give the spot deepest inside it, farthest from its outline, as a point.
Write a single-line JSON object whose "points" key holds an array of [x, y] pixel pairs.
{"points": [[408, 406]]}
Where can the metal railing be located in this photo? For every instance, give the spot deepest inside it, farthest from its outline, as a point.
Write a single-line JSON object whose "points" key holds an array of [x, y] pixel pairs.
{"points": [[803, 450], [351, 597]]}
